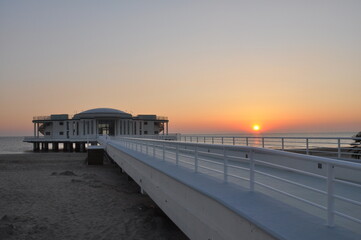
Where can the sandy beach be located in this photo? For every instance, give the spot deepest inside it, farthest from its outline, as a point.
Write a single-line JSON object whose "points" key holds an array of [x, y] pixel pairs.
{"points": [[58, 196]]}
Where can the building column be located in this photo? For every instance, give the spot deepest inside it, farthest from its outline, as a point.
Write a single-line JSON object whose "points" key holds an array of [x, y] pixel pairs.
{"points": [[96, 128], [37, 131], [127, 128], [34, 129], [167, 127], [122, 127]]}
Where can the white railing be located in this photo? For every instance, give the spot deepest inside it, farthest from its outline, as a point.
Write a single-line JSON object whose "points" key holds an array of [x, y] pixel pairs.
{"points": [[57, 139], [335, 147], [254, 168], [171, 137]]}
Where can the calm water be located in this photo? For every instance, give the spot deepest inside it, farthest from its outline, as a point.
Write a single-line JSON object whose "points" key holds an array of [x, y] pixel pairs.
{"points": [[14, 145], [10, 145]]}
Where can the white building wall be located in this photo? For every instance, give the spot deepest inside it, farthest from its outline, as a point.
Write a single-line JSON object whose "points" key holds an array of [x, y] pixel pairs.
{"points": [[56, 130]]}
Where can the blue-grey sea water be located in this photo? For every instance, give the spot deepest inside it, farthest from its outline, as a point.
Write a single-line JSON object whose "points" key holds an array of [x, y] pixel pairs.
{"points": [[9, 145]]}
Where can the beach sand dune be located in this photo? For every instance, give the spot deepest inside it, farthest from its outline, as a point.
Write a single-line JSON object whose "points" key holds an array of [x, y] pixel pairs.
{"points": [[58, 196]]}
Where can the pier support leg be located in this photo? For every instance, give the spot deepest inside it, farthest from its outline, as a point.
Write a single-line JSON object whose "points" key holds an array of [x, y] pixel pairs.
{"points": [[65, 148], [77, 147], [70, 145], [44, 146], [81, 147], [55, 146], [36, 147]]}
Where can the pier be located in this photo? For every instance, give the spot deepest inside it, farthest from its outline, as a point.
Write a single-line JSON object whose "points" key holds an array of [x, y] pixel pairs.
{"points": [[214, 191]]}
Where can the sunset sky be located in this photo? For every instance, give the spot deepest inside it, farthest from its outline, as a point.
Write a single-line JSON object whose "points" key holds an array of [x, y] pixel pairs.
{"points": [[210, 66]]}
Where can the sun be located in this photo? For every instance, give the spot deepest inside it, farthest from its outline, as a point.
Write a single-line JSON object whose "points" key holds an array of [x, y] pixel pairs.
{"points": [[256, 127]]}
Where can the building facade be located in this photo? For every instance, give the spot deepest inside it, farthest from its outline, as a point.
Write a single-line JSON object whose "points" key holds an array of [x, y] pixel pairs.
{"points": [[88, 125]]}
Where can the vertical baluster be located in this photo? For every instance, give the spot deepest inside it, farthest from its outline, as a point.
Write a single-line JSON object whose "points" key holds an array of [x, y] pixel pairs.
{"points": [[163, 152], [177, 155], [330, 195], [196, 159], [225, 165], [251, 171], [154, 150], [339, 148]]}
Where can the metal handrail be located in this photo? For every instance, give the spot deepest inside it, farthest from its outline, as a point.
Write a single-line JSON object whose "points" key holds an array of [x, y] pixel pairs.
{"points": [[165, 148], [347, 148]]}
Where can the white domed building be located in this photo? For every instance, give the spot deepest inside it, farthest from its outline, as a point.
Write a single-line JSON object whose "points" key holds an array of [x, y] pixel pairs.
{"points": [[88, 125]]}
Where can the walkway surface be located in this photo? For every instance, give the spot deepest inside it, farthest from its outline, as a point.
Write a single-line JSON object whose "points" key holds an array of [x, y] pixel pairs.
{"points": [[283, 217]]}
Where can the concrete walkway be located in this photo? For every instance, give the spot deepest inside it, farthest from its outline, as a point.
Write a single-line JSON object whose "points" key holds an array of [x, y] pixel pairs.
{"points": [[283, 217]]}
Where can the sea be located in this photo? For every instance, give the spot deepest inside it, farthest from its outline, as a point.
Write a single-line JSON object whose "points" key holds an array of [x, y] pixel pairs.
{"points": [[15, 145]]}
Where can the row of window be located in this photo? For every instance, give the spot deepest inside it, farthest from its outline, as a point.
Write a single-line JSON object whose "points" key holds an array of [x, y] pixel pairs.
{"points": [[62, 133]]}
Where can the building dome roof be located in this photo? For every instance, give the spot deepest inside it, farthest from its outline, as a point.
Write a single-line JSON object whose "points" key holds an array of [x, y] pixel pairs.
{"points": [[102, 113]]}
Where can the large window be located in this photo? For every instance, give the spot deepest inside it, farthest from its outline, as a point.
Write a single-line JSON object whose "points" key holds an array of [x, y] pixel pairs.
{"points": [[106, 127]]}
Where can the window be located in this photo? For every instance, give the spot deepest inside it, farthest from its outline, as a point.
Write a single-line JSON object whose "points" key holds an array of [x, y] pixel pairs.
{"points": [[61, 123], [145, 123], [61, 133], [155, 132], [145, 132], [47, 133]]}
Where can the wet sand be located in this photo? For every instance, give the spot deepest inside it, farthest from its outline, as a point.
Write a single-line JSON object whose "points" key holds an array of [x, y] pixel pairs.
{"points": [[58, 196]]}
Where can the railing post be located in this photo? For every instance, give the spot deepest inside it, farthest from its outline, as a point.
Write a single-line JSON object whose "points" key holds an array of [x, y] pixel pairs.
{"points": [[154, 150], [146, 148], [191, 139], [177, 155], [225, 165], [212, 140], [330, 195], [263, 142], [197, 139], [196, 159], [234, 141], [251, 171], [283, 144], [222, 140], [307, 147], [204, 139], [246, 141], [163, 152], [339, 148]]}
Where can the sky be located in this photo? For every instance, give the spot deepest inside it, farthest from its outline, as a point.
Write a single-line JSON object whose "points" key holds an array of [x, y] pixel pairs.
{"points": [[210, 66]]}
